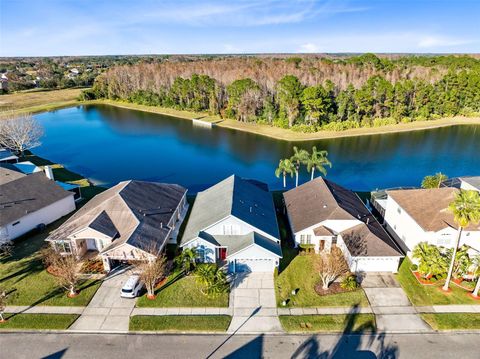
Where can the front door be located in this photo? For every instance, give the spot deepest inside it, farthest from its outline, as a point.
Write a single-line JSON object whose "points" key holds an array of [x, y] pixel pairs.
{"points": [[222, 253]]}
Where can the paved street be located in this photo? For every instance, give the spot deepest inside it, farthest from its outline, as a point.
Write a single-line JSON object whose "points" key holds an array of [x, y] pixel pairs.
{"points": [[254, 304], [409, 346]]}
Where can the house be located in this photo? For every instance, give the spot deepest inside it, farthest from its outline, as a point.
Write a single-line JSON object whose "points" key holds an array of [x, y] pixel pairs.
{"points": [[7, 156], [466, 183], [323, 214], [132, 221], [421, 215], [234, 224], [29, 202]]}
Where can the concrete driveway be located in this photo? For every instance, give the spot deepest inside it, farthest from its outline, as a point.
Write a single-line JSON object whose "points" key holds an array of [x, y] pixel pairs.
{"points": [[392, 308], [107, 311], [254, 305]]}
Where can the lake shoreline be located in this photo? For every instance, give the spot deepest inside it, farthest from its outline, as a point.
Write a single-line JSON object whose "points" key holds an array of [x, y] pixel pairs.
{"points": [[262, 130], [289, 135]]}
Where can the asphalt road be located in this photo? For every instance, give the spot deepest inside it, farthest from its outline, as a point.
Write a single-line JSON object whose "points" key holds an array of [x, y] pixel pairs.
{"points": [[52, 346]]}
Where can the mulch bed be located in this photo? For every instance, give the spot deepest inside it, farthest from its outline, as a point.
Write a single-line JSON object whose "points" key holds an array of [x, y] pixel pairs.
{"points": [[334, 288], [424, 281]]}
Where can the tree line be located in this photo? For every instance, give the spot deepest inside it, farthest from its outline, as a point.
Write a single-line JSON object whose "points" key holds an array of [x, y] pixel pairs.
{"points": [[322, 94]]}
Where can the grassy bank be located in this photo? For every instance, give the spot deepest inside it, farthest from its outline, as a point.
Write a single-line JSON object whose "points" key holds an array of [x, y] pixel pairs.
{"points": [[39, 101], [452, 321], [38, 321], [425, 295], [350, 323], [182, 323]]}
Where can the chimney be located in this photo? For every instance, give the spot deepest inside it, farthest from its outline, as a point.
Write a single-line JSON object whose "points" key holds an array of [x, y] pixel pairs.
{"points": [[49, 172]]}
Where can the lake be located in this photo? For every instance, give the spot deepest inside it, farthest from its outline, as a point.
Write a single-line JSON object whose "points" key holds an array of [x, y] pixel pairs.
{"points": [[109, 144]]}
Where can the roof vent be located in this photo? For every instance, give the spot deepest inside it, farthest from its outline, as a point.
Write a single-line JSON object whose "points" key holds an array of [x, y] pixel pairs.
{"points": [[324, 206], [251, 209]]}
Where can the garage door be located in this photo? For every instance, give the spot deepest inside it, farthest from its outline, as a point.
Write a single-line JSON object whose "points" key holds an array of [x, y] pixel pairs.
{"points": [[375, 265], [254, 265]]}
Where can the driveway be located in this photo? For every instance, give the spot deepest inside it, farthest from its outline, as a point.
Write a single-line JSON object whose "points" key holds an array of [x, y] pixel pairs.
{"points": [[107, 311], [254, 304], [392, 308]]}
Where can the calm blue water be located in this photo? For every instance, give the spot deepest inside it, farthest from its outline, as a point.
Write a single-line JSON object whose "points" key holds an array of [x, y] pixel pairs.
{"points": [[108, 144]]}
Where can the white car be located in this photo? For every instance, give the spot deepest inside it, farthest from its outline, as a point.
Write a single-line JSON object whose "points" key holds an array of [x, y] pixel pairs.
{"points": [[132, 287]]}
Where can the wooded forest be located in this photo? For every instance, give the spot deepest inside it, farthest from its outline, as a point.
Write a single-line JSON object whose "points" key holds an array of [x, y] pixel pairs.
{"points": [[305, 93]]}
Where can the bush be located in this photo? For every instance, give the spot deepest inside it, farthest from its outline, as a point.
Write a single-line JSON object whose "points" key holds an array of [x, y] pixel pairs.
{"points": [[379, 122], [307, 248], [414, 267], [349, 282]]}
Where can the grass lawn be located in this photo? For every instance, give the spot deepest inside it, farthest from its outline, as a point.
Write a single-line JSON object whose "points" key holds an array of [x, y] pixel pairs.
{"points": [[356, 323], [182, 292], [38, 101], [38, 321], [423, 295], [184, 323], [23, 275], [446, 321], [299, 275]]}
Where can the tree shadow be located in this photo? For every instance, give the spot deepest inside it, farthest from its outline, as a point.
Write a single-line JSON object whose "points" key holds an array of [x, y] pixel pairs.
{"points": [[350, 342]]}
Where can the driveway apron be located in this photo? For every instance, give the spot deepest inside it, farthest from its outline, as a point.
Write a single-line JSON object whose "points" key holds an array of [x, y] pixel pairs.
{"points": [[107, 311], [254, 304]]}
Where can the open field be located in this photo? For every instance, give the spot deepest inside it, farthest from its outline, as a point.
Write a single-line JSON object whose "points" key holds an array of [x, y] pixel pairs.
{"points": [[181, 323], [38, 321], [350, 323], [424, 295], [39, 101]]}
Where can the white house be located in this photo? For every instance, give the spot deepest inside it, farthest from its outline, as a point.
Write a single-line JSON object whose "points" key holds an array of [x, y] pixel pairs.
{"points": [[467, 183], [234, 223], [132, 221], [421, 215], [29, 202], [324, 214]]}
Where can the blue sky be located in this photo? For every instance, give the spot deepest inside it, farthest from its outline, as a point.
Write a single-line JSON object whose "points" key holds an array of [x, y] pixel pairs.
{"points": [[99, 27]]}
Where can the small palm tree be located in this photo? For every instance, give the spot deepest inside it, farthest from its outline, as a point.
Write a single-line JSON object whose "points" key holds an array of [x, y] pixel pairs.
{"points": [[285, 167], [434, 181], [299, 157], [466, 211], [476, 272], [187, 259], [317, 161], [212, 279]]}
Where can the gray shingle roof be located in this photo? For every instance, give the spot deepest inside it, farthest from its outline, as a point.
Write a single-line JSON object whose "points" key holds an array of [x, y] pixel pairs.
{"points": [[26, 194], [139, 211], [234, 196], [237, 243]]}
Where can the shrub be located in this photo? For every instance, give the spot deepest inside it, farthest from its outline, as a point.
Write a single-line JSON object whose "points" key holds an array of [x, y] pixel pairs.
{"points": [[349, 282], [414, 267], [307, 248]]}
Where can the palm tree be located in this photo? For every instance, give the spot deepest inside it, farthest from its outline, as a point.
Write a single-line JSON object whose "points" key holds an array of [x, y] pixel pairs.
{"points": [[318, 160], [477, 274], [299, 157], [466, 211], [285, 167], [187, 259]]}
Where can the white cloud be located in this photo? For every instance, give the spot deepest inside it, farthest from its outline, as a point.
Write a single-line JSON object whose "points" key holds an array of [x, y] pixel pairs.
{"points": [[441, 41], [309, 47]]}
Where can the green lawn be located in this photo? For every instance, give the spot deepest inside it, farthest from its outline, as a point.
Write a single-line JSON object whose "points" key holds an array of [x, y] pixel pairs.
{"points": [[350, 323], [183, 323], [182, 292], [23, 276], [299, 275], [38, 321], [423, 295], [446, 321]]}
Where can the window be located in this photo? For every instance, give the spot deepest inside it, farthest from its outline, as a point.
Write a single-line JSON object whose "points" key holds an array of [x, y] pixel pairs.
{"points": [[229, 229], [306, 239], [63, 247]]}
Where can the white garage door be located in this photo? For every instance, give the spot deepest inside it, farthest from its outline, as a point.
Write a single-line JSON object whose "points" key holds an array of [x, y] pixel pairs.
{"points": [[254, 265], [375, 265]]}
